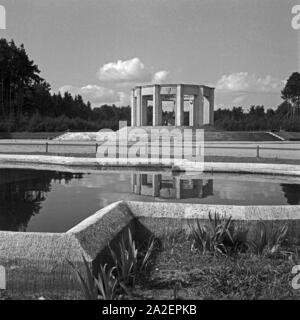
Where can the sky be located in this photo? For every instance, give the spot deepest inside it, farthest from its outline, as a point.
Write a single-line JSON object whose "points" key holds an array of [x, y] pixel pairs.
{"points": [[101, 49]]}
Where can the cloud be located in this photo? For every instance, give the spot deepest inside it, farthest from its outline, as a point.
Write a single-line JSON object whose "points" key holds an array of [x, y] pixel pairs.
{"points": [[120, 77], [99, 94], [243, 81], [93, 93], [130, 71], [161, 76]]}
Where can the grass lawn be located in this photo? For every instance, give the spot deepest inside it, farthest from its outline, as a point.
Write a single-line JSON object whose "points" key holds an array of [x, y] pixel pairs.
{"points": [[183, 274]]}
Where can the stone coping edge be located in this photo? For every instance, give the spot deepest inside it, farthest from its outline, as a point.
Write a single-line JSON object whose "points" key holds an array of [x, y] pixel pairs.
{"points": [[180, 165]]}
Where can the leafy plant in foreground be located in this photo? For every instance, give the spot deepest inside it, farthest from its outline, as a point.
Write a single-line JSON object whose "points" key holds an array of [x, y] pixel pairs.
{"points": [[215, 236], [277, 237], [107, 283], [146, 254], [269, 244], [126, 261], [105, 287], [131, 260]]}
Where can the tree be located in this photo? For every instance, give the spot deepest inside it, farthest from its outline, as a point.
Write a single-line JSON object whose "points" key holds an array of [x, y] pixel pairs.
{"points": [[18, 77], [291, 91]]}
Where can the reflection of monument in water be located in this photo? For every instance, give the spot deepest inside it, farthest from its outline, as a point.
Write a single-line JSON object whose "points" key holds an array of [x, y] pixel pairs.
{"points": [[170, 187]]}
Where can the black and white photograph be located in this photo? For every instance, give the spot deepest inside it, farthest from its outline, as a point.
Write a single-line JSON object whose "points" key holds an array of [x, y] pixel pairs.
{"points": [[149, 153]]}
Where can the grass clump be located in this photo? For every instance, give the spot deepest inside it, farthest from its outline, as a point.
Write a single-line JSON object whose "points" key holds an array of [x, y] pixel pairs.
{"points": [[103, 287], [126, 261], [213, 237], [269, 244], [220, 236]]}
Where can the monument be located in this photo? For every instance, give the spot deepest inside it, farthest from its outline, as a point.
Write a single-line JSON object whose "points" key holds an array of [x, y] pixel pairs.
{"points": [[179, 94]]}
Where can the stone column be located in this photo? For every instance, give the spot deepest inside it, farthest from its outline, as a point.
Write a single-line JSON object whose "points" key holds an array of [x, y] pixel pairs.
{"points": [[138, 184], [200, 120], [191, 112], [179, 105], [211, 105], [144, 111], [156, 179], [177, 187], [138, 106], [157, 106], [194, 111], [133, 108], [133, 182], [199, 188]]}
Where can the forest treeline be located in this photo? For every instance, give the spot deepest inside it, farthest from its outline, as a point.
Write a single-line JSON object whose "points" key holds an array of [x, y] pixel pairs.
{"points": [[27, 103], [257, 119]]}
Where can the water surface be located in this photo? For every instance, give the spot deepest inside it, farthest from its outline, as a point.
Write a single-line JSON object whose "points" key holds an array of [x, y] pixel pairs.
{"points": [[51, 201]]}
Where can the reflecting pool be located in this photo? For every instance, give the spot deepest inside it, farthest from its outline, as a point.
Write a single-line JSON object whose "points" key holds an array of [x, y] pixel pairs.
{"points": [[52, 201]]}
